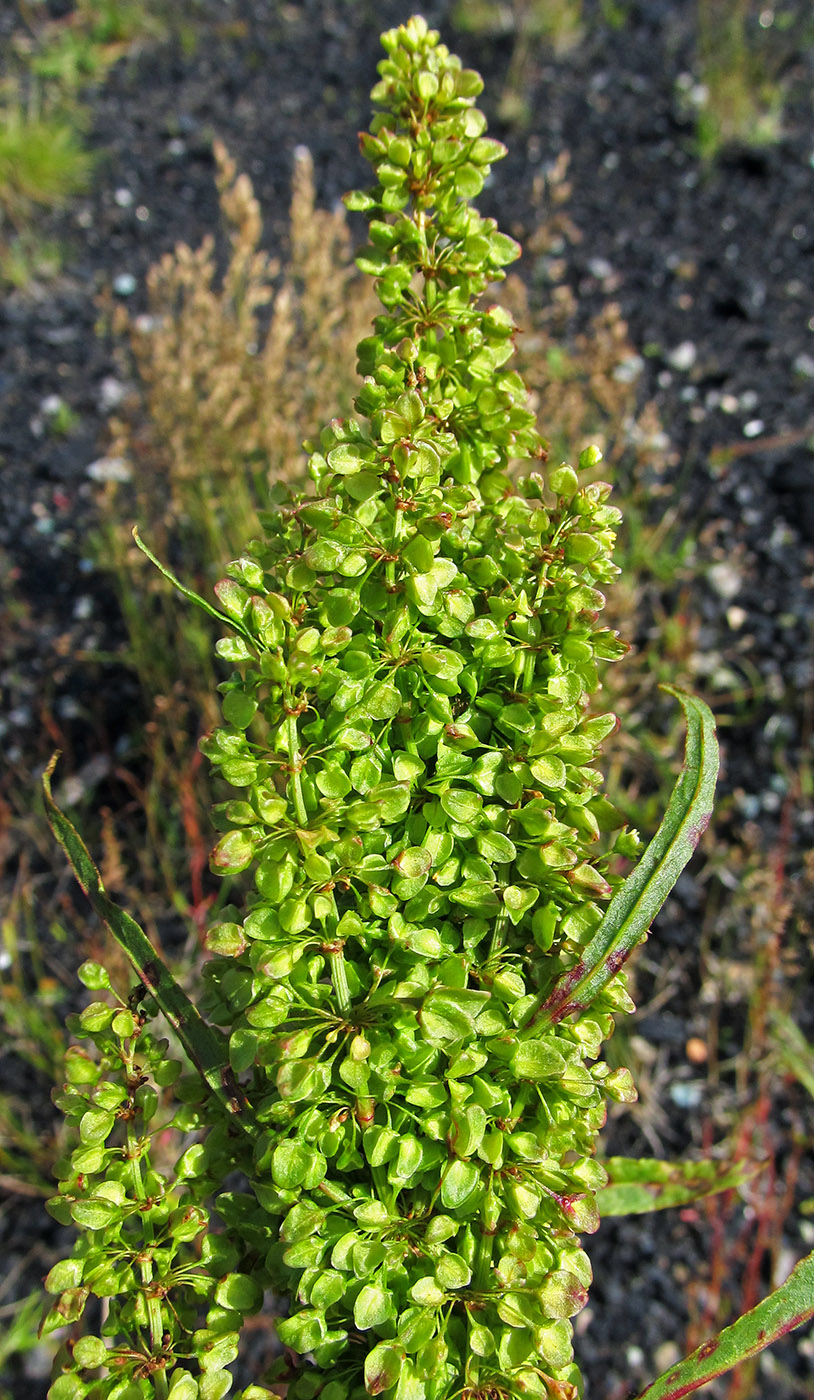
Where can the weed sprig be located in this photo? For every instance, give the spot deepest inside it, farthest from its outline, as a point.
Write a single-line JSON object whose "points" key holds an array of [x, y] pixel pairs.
{"points": [[395, 1083]]}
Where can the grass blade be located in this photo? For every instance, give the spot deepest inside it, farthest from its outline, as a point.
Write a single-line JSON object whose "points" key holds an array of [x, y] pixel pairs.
{"points": [[630, 913], [638, 1185], [788, 1307], [206, 1048]]}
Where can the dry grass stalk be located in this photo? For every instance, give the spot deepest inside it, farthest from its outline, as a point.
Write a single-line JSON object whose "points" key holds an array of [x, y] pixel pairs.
{"points": [[232, 371]]}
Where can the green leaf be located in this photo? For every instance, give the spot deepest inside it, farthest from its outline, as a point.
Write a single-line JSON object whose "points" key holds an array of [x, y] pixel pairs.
{"points": [[383, 702], [413, 862], [496, 848], [518, 899], [786, 1308], [239, 1293], [95, 1212], [536, 1060], [188, 593], [462, 805], [460, 1183], [562, 1294], [66, 1274], [90, 1352], [373, 1306], [382, 1367], [450, 1015], [349, 457], [452, 1271], [636, 903], [302, 1332], [637, 1186], [426, 1292]]}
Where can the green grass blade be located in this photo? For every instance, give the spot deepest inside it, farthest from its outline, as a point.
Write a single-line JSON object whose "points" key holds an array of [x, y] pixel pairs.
{"points": [[788, 1307], [630, 913], [206, 1048], [638, 1185]]}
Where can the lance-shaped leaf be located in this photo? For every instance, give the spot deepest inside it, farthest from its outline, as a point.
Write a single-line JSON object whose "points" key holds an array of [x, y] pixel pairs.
{"points": [[788, 1307], [630, 913], [638, 1185], [792, 1049], [189, 593], [206, 1048]]}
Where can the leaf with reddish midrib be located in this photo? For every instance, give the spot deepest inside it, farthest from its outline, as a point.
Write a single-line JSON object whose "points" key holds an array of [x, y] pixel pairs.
{"points": [[788, 1307]]}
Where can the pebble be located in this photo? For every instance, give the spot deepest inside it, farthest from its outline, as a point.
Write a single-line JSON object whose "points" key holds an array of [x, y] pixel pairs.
{"points": [[600, 268], [111, 393], [666, 1356], [109, 469], [804, 366], [628, 370], [736, 617], [634, 1357], [754, 428], [682, 357], [696, 1050], [51, 405], [123, 197], [75, 786], [725, 579], [124, 284], [686, 1095]]}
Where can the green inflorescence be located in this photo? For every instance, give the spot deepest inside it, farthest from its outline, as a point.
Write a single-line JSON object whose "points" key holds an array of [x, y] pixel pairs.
{"points": [[426, 829], [415, 646]]}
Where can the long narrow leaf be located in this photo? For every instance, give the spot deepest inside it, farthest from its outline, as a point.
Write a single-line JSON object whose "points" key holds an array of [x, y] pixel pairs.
{"points": [[189, 593], [788, 1307], [638, 1185], [206, 1048], [793, 1051], [630, 913]]}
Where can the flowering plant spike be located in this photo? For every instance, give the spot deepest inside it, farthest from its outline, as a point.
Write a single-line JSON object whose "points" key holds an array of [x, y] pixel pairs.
{"points": [[393, 1087]]}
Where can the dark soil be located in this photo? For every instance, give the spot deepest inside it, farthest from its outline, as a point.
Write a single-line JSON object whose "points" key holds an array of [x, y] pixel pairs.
{"points": [[713, 271]]}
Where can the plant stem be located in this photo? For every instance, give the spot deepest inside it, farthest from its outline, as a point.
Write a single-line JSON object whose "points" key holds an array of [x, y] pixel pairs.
{"points": [[294, 760], [146, 1265], [339, 978]]}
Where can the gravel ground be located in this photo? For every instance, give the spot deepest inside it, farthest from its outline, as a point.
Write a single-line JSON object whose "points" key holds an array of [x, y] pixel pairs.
{"points": [[713, 273]]}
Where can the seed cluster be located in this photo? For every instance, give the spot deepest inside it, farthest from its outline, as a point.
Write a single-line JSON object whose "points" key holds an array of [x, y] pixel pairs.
{"points": [[408, 722], [402, 1141]]}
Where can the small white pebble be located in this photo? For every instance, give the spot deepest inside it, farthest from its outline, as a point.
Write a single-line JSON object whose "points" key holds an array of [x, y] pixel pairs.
{"points": [[123, 197], [125, 284], [725, 579], [682, 357], [754, 428], [109, 469], [111, 393], [686, 1095]]}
